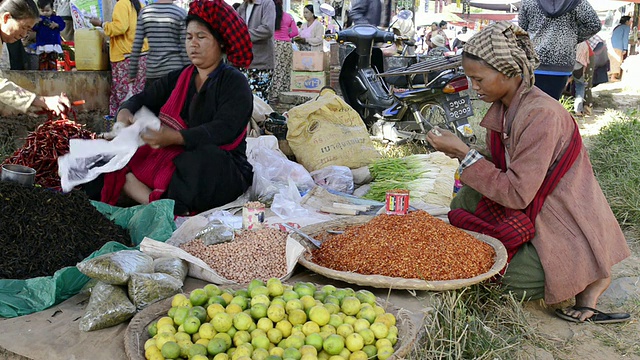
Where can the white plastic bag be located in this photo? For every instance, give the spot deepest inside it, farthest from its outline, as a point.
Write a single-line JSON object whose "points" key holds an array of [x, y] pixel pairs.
{"points": [[334, 177], [272, 170], [129, 92], [286, 203], [89, 158]]}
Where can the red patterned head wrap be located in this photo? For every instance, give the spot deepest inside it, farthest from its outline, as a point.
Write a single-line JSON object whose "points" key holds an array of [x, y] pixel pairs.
{"points": [[226, 21]]}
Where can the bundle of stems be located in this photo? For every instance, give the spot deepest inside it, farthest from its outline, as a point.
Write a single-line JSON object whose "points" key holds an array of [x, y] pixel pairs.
{"points": [[428, 177]]}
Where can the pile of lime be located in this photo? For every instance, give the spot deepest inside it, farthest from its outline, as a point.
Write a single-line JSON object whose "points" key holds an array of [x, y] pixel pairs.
{"points": [[273, 321]]}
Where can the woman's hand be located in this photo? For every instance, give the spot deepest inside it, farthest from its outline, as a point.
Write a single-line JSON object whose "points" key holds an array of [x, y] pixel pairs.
{"points": [[57, 104], [448, 143], [125, 117], [162, 138], [95, 21]]}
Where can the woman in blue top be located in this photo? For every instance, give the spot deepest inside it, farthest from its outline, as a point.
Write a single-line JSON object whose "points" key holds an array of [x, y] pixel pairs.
{"points": [[620, 44], [48, 35]]}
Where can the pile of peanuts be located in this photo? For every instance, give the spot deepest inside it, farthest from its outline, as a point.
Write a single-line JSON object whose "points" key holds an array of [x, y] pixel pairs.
{"points": [[412, 246], [253, 254]]}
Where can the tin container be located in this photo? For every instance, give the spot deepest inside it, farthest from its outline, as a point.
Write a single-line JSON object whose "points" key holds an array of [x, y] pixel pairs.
{"points": [[253, 215], [23, 175], [397, 202]]}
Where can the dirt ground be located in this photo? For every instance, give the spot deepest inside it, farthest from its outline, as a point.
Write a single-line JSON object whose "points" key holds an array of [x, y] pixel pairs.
{"points": [[592, 341]]}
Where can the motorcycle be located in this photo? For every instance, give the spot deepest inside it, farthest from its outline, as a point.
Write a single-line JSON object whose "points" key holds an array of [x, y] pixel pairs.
{"points": [[402, 116]]}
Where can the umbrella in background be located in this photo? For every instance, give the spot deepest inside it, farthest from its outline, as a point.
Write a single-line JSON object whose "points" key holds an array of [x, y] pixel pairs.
{"points": [[426, 19], [499, 5]]}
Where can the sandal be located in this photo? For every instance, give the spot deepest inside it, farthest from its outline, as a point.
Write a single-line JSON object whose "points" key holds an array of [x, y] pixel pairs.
{"points": [[598, 316]]}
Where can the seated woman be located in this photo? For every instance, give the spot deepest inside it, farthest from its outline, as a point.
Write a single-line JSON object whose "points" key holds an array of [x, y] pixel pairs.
{"points": [[198, 157], [539, 195]]}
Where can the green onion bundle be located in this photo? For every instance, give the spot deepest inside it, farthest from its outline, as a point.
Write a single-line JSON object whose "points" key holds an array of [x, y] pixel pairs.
{"points": [[428, 177]]}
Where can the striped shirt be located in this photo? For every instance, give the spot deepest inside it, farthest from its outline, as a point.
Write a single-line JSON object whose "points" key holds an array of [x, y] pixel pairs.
{"points": [[164, 27]]}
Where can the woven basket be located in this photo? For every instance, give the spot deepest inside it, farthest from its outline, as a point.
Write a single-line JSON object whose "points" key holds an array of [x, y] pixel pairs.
{"points": [[137, 334], [387, 282]]}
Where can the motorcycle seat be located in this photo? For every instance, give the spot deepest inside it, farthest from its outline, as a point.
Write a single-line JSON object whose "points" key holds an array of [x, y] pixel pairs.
{"points": [[416, 95]]}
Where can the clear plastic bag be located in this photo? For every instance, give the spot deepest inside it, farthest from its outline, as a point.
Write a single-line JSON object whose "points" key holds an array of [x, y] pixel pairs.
{"points": [[108, 305], [145, 289], [216, 232], [115, 268], [272, 170], [334, 177], [173, 266]]}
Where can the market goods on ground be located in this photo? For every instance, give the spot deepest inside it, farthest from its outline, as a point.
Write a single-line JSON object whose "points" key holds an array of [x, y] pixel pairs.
{"points": [[43, 146], [428, 177], [43, 231], [273, 320], [412, 246], [253, 254], [126, 281]]}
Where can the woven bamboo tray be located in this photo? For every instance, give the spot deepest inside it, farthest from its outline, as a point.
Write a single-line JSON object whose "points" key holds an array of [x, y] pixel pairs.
{"points": [[387, 282], [137, 334]]}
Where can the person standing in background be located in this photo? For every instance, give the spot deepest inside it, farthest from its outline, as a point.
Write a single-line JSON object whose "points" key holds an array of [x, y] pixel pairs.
{"points": [[405, 26], [162, 24], [372, 12], [620, 44], [121, 31], [312, 32], [63, 9], [286, 30], [48, 39], [260, 17], [435, 30], [583, 53], [556, 27]]}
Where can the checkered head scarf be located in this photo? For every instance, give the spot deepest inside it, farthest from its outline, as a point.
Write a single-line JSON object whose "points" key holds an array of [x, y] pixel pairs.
{"points": [[224, 20], [508, 49]]}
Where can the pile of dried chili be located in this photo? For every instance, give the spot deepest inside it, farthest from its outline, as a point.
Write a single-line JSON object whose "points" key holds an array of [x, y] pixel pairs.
{"points": [[412, 246], [43, 146]]}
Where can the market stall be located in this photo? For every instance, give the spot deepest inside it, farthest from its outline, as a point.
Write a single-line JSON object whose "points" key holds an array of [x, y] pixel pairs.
{"points": [[360, 239]]}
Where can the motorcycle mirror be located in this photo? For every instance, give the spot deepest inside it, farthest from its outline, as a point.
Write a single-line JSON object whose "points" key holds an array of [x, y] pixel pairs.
{"points": [[327, 10]]}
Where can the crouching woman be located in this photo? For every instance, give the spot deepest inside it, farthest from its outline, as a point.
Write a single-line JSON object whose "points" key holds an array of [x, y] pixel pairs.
{"points": [[538, 194]]}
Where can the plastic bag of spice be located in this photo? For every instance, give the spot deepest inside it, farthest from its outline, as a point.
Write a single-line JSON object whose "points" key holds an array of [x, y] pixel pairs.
{"points": [[108, 306], [116, 268], [175, 267], [145, 289]]}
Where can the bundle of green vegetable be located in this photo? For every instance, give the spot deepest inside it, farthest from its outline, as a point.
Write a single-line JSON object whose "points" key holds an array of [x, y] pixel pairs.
{"points": [[428, 177]]}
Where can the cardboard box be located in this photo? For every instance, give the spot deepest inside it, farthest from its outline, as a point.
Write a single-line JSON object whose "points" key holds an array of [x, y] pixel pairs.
{"points": [[312, 81], [310, 61]]}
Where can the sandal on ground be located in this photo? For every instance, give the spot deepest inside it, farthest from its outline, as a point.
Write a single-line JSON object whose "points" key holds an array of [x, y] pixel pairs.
{"points": [[598, 317]]}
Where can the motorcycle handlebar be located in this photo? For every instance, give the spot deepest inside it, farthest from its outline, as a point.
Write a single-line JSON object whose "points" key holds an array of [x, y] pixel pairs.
{"points": [[365, 33]]}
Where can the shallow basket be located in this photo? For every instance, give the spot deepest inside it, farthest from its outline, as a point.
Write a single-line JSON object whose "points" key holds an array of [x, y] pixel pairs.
{"points": [[137, 334], [388, 282]]}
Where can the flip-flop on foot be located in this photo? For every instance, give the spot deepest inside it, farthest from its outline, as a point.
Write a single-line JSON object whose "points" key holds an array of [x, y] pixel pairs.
{"points": [[598, 316]]}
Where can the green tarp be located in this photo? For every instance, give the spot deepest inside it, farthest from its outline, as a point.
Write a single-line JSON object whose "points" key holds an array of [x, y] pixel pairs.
{"points": [[22, 297]]}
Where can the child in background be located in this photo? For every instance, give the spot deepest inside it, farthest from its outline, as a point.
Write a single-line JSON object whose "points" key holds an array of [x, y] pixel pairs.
{"points": [[48, 36]]}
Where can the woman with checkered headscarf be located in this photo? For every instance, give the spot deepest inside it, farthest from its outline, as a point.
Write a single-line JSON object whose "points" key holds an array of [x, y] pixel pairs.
{"points": [[197, 158], [536, 193]]}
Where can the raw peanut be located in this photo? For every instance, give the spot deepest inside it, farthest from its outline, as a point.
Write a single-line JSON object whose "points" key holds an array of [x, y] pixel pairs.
{"points": [[412, 246], [253, 254]]}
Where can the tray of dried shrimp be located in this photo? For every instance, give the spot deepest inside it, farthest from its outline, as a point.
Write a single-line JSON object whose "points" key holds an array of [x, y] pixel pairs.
{"points": [[415, 251]]}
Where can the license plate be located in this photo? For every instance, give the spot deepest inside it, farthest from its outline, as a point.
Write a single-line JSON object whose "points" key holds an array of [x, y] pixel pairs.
{"points": [[457, 107]]}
